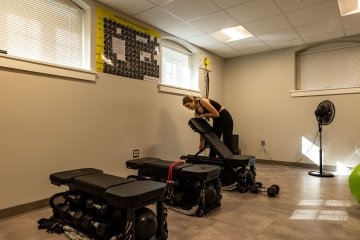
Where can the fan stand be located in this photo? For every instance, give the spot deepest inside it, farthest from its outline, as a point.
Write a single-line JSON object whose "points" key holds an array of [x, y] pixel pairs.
{"points": [[321, 173]]}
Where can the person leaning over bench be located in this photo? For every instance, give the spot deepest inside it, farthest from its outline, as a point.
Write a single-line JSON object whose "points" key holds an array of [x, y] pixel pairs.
{"points": [[222, 120]]}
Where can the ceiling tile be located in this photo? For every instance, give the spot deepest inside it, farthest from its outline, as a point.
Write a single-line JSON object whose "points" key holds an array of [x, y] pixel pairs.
{"points": [[220, 48], [314, 14], [229, 3], [129, 7], [323, 37], [246, 43], [268, 25], [281, 36], [189, 9], [203, 40], [253, 11], [158, 18], [351, 21], [159, 2], [183, 30], [231, 54], [328, 26], [291, 5], [285, 44], [257, 49], [207, 23]]}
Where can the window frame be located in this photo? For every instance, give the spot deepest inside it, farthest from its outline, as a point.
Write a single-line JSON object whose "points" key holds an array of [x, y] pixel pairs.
{"points": [[320, 91], [15, 63], [178, 45]]}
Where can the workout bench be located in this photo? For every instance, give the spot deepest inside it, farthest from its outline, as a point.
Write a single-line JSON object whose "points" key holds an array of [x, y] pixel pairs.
{"points": [[110, 207], [234, 168], [192, 189]]}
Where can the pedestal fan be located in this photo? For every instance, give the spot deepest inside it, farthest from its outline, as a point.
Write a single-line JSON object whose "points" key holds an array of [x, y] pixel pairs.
{"points": [[324, 114]]}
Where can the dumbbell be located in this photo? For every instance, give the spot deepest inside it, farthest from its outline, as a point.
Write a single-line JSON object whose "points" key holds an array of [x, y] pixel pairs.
{"points": [[100, 208], [103, 230], [76, 199], [66, 213], [271, 191]]}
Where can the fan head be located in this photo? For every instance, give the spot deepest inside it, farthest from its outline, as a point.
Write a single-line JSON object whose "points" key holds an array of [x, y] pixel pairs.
{"points": [[325, 112]]}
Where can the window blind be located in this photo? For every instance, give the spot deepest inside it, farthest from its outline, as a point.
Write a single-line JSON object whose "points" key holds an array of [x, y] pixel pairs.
{"points": [[176, 68], [50, 31], [329, 66]]}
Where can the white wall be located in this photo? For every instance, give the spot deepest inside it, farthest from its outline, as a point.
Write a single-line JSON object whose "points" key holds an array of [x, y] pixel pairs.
{"points": [[257, 93], [53, 124]]}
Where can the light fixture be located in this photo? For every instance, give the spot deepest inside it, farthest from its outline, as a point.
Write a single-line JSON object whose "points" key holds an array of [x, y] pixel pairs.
{"points": [[348, 7], [231, 34]]}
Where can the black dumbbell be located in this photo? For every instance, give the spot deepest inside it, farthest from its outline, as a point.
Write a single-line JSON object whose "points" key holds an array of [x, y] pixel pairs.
{"points": [[271, 191], [103, 230], [86, 220], [255, 187], [277, 187], [67, 214], [100, 208], [76, 199]]}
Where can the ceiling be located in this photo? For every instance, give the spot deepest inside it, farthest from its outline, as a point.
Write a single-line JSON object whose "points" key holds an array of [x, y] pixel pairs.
{"points": [[275, 24]]}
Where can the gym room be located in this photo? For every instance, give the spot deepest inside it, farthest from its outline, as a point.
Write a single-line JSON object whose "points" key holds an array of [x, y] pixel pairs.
{"points": [[88, 86]]}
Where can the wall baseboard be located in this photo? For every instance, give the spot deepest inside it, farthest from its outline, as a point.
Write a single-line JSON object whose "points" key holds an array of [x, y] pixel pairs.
{"points": [[23, 209], [293, 164]]}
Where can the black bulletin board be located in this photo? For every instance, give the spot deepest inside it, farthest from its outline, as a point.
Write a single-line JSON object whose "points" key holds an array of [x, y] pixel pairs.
{"points": [[126, 49]]}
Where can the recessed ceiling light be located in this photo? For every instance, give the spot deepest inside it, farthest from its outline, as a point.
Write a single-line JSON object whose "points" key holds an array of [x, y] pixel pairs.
{"points": [[231, 34], [348, 7]]}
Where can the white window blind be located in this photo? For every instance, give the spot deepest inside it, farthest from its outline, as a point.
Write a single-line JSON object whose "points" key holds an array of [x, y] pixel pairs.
{"points": [[176, 68], [329, 66], [50, 31]]}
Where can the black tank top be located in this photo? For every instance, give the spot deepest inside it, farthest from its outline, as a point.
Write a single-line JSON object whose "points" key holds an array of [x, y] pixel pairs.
{"points": [[215, 104]]}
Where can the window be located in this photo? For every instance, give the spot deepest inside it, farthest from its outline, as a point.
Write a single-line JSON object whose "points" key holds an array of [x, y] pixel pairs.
{"points": [[178, 67], [329, 68], [45, 31]]}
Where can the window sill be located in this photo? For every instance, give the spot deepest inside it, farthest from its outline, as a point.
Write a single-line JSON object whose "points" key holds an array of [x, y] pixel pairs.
{"points": [[322, 92], [45, 68], [177, 90]]}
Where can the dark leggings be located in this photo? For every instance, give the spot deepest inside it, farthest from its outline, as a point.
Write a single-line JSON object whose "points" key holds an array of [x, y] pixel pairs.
{"points": [[223, 126]]}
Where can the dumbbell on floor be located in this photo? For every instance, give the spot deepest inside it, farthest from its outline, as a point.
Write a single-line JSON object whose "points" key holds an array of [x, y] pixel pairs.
{"points": [[271, 191]]}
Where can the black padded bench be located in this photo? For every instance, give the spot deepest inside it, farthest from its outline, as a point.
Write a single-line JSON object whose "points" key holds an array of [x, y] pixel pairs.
{"points": [[234, 173], [106, 206], [193, 189]]}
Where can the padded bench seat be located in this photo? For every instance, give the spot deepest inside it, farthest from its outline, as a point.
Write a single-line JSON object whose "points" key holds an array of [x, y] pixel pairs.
{"points": [[117, 191]]}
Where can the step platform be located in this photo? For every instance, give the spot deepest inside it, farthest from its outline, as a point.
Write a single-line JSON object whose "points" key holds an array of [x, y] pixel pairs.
{"points": [[192, 189], [107, 206]]}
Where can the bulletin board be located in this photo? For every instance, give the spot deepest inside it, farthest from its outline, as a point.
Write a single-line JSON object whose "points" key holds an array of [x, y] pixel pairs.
{"points": [[126, 49]]}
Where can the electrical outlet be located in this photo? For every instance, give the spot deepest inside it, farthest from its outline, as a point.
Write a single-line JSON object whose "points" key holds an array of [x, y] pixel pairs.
{"points": [[262, 143], [136, 153]]}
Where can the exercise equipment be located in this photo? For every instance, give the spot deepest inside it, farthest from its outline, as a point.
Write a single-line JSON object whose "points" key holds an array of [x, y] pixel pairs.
{"points": [[324, 113], [271, 191], [354, 183], [145, 223], [192, 189], [238, 172], [105, 206]]}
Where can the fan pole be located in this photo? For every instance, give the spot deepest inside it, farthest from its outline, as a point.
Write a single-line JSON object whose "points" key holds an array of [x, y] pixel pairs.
{"points": [[320, 173]]}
